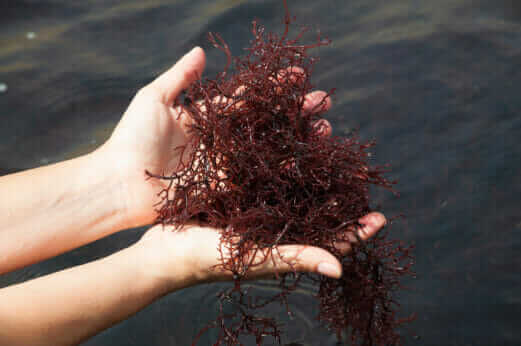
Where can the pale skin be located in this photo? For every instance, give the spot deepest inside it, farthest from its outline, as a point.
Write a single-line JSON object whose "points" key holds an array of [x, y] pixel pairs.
{"points": [[53, 209]]}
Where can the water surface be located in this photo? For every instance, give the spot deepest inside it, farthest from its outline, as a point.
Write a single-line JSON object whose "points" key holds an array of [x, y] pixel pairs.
{"points": [[436, 83]]}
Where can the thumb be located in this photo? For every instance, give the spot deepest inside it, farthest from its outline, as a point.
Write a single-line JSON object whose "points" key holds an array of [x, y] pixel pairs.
{"points": [[188, 69]]}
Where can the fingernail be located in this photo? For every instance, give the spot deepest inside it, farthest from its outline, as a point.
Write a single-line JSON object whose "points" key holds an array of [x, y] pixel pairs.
{"points": [[320, 126], [329, 269]]}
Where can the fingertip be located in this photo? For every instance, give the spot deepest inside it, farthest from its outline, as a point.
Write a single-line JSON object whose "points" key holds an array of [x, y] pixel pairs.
{"points": [[372, 223], [197, 49], [185, 71], [318, 260], [296, 75], [317, 102], [199, 54], [194, 62], [323, 128], [309, 259], [329, 269]]}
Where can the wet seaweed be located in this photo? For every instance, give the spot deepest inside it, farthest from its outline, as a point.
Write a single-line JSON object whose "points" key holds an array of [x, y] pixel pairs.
{"points": [[260, 169]]}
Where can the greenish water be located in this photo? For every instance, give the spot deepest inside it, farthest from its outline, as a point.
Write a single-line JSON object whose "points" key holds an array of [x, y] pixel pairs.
{"points": [[436, 83]]}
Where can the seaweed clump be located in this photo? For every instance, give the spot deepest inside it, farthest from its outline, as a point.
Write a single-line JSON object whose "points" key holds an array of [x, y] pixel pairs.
{"points": [[259, 169]]}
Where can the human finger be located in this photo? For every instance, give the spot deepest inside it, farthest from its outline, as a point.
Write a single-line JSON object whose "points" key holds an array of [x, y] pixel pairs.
{"points": [[293, 74], [323, 128], [316, 102], [290, 258], [371, 224], [188, 69]]}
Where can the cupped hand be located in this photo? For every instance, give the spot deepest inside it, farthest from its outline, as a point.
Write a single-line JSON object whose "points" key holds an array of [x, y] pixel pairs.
{"points": [[151, 129], [180, 258], [146, 138]]}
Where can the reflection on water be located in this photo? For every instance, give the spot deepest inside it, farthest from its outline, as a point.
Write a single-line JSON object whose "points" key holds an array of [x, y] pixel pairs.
{"points": [[436, 83]]}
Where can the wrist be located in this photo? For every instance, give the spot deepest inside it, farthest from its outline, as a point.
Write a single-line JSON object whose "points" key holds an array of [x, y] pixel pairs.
{"points": [[134, 196], [98, 171], [176, 259], [153, 266]]}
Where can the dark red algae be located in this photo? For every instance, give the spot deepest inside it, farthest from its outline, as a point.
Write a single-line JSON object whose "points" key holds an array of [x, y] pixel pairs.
{"points": [[259, 170]]}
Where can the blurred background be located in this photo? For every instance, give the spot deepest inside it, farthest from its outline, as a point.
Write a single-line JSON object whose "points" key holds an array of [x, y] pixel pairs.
{"points": [[436, 83]]}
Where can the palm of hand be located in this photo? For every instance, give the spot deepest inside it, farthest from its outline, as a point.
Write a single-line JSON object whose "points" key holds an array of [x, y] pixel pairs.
{"points": [[147, 135], [145, 139]]}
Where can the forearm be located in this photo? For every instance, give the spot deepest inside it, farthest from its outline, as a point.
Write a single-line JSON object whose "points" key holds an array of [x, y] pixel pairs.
{"points": [[67, 307], [49, 210]]}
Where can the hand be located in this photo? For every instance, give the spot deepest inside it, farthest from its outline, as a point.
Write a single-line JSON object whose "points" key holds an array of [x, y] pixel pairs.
{"points": [[152, 127], [145, 139], [187, 257]]}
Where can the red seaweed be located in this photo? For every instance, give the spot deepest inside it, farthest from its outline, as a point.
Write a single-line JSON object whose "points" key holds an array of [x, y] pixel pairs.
{"points": [[259, 169]]}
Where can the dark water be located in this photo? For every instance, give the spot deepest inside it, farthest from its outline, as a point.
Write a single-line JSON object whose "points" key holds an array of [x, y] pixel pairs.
{"points": [[437, 83]]}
